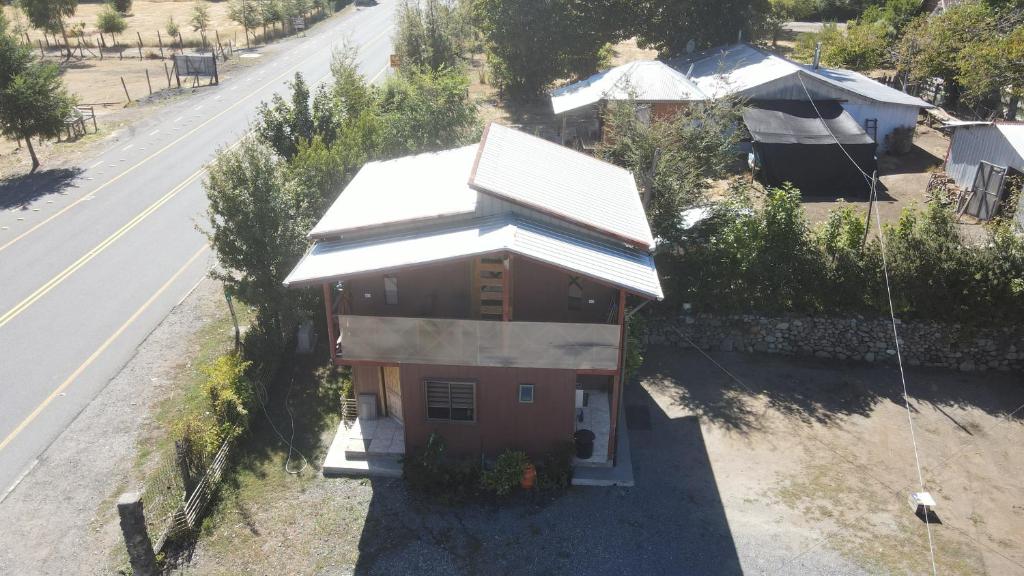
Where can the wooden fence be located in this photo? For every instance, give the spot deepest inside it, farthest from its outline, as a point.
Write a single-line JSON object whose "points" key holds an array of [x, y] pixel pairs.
{"points": [[175, 512]]}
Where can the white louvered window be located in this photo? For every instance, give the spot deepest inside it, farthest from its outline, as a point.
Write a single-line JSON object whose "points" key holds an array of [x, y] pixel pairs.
{"points": [[454, 401]]}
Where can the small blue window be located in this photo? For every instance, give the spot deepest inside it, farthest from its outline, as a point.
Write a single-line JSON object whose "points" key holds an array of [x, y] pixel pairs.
{"points": [[526, 393]]}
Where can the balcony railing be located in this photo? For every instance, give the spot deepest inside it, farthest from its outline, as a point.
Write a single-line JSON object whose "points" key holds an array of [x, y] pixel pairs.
{"points": [[479, 342]]}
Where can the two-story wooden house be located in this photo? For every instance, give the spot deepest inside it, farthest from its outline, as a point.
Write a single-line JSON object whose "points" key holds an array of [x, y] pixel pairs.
{"points": [[480, 293]]}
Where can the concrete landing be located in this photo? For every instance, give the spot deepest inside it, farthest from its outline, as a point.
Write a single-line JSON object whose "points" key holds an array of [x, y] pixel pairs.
{"points": [[337, 463], [619, 475]]}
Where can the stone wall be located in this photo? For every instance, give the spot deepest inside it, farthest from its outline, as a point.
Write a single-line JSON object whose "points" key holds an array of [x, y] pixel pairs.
{"points": [[923, 343]]}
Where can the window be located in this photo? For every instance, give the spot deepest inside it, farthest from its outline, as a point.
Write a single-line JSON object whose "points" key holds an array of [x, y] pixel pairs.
{"points": [[575, 293], [454, 401], [526, 393], [390, 290]]}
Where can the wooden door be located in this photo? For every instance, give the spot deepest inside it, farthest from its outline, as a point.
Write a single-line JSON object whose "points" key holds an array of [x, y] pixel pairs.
{"points": [[393, 392]]}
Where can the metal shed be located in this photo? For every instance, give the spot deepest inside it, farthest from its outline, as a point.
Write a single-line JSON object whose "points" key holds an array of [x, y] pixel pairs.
{"points": [[999, 144]]}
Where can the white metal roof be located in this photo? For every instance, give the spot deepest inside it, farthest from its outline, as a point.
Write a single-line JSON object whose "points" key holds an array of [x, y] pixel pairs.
{"points": [[740, 67], [1014, 133], [631, 269], [404, 189], [562, 182], [649, 81]]}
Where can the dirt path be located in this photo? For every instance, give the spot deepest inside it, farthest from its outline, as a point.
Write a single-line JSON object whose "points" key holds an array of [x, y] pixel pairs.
{"points": [[64, 508]]}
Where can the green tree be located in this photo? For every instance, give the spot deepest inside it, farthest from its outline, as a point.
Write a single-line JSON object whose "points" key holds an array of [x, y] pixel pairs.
{"points": [[35, 103], [991, 65], [431, 34], [257, 224], [672, 159], [123, 6], [932, 45], [426, 111], [669, 25], [246, 13], [110, 21], [531, 44], [286, 125], [49, 15], [200, 19]]}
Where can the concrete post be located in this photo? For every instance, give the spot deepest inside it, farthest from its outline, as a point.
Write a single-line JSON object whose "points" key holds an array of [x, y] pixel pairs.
{"points": [[136, 538]]}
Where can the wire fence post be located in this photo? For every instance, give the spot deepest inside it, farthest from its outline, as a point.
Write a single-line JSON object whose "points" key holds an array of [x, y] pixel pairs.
{"points": [[125, 86], [148, 83]]}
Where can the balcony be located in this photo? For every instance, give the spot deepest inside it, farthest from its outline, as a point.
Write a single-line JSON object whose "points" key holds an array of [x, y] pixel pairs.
{"points": [[478, 342]]}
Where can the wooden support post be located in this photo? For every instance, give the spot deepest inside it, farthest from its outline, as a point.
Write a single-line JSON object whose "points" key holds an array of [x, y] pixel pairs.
{"points": [[177, 73], [216, 78], [506, 289], [619, 380], [140, 43], [125, 86], [332, 340], [160, 40], [167, 73], [181, 43], [42, 53], [148, 83]]}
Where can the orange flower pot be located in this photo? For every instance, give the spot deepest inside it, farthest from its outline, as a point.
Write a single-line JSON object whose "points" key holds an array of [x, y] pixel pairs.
{"points": [[529, 477]]}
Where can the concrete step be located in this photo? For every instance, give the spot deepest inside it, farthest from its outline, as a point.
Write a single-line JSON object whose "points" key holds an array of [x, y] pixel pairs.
{"points": [[380, 466]]}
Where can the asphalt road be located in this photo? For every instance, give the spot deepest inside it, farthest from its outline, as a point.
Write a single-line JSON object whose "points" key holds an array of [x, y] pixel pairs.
{"points": [[87, 273]]}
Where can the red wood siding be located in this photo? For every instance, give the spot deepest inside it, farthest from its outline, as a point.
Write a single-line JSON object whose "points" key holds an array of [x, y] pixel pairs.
{"points": [[501, 420], [541, 294], [437, 291]]}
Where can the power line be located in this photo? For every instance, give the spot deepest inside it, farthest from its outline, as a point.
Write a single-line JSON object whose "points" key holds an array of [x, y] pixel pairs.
{"points": [[892, 315]]}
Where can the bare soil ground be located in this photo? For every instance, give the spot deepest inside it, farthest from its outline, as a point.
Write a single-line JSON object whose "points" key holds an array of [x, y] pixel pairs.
{"points": [[823, 449], [803, 469], [97, 82]]}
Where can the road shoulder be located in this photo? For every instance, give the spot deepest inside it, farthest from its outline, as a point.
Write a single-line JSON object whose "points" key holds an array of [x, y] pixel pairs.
{"points": [[65, 503]]}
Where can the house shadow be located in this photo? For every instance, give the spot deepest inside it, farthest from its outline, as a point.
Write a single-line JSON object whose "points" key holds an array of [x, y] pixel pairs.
{"points": [[671, 522], [814, 390], [19, 191], [916, 161]]}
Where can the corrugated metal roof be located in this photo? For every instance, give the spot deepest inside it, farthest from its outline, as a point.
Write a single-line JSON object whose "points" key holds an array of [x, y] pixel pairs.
{"points": [[1014, 133], [560, 181], [648, 81], [402, 190], [633, 270], [740, 67]]}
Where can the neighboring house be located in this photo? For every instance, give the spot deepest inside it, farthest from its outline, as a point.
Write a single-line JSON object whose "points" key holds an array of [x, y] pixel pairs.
{"points": [[751, 73], [981, 157], [755, 74], [659, 89], [480, 293]]}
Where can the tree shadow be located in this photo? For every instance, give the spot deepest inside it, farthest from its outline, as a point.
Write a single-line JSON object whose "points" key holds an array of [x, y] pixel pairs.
{"points": [[19, 191], [671, 522], [812, 390]]}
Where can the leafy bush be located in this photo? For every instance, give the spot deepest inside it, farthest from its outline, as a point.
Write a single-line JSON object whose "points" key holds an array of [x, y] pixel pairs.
{"points": [[432, 34], [122, 6], [231, 394], [110, 21], [768, 259], [554, 471], [432, 472], [506, 474]]}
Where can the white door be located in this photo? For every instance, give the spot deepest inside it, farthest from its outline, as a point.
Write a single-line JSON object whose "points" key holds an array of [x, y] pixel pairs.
{"points": [[393, 392]]}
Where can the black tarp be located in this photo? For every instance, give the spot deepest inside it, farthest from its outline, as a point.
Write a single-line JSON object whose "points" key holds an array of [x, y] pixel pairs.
{"points": [[792, 144]]}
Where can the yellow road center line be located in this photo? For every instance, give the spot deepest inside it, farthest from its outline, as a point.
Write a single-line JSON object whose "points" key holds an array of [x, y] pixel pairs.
{"points": [[103, 347], [95, 251]]}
